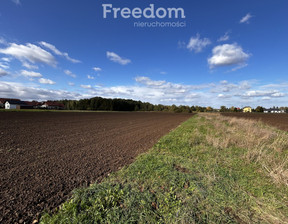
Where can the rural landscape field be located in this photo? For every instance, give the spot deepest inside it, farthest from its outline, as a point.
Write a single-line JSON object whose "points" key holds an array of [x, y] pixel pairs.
{"points": [[211, 169], [45, 155], [143, 112], [277, 120]]}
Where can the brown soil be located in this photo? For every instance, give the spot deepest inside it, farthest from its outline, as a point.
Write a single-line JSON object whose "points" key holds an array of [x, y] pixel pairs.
{"points": [[45, 155], [277, 120]]}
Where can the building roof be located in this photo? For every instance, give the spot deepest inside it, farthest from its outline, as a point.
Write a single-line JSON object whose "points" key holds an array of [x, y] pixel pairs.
{"points": [[3, 100], [33, 103], [18, 102]]}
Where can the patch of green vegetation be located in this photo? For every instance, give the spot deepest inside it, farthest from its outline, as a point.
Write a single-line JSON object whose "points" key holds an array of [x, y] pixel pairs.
{"points": [[183, 179]]}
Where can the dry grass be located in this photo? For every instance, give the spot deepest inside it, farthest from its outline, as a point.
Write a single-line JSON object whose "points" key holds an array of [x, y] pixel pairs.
{"points": [[265, 145]]}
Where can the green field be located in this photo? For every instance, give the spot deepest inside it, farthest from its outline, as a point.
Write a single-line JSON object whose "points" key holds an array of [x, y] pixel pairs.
{"points": [[211, 169]]}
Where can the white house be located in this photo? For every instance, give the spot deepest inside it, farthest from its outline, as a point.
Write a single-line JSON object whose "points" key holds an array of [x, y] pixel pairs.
{"points": [[52, 105], [13, 104], [274, 110]]}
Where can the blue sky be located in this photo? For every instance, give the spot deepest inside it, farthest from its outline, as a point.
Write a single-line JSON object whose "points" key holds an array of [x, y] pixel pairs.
{"points": [[231, 53]]}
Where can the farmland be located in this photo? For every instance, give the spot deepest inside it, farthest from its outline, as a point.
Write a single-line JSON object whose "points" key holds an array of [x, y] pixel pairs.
{"points": [[44, 156], [211, 169], [277, 120]]}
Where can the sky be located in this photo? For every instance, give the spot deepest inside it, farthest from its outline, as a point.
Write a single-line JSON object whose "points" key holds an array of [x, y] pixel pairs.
{"points": [[186, 52]]}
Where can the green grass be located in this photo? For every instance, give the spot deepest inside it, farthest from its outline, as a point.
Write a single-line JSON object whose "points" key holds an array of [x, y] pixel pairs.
{"points": [[183, 179]]}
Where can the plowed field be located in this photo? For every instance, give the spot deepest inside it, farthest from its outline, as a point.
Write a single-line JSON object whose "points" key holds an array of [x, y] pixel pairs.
{"points": [[45, 155], [277, 120]]}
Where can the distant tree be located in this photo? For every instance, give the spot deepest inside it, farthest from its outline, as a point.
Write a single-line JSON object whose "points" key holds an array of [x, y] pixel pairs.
{"points": [[259, 109], [232, 109], [209, 109], [223, 109]]}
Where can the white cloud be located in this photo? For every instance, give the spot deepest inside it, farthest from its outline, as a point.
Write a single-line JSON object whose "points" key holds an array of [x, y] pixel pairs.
{"points": [[86, 86], [90, 77], [17, 2], [29, 66], [3, 72], [31, 74], [154, 91], [116, 58], [46, 81], [147, 81], [246, 18], [238, 67], [280, 86], [57, 52], [26, 92], [222, 96], [226, 55], [263, 93], [4, 63], [68, 72], [242, 93], [225, 37], [71, 84], [6, 59], [196, 44], [30, 53], [97, 69]]}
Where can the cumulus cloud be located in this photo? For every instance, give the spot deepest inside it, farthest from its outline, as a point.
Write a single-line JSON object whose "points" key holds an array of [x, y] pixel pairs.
{"points": [[26, 92], [29, 53], [46, 81], [197, 44], [71, 84], [29, 66], [97, 69], [225, 37], [147, 81], [86, 86], [227, 55], [153, 91], [263, 93], [246, 18], [31, 74], [116, 58], [57, 52], [223, 96], [3, 72], [68, 72]]}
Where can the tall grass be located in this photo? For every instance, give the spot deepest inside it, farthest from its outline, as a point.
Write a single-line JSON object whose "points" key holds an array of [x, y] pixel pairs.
{"points": [[211, 169], [264, 145]]}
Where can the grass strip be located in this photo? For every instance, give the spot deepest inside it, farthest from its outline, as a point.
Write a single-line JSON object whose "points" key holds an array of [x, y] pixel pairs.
{"points": [[190, 176]]}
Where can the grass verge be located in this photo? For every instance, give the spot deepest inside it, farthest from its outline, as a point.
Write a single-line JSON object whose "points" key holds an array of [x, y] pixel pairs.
{"points": [[209, 170]]}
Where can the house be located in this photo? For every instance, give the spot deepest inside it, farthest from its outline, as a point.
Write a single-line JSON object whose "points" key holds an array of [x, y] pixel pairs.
{"points": [[52, 105], [275, 110], [247, 109], [3, 100], [15, 104], [33, 104]]}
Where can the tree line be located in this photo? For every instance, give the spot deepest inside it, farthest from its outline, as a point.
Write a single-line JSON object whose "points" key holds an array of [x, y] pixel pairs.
{"points": [[105, 104]]}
